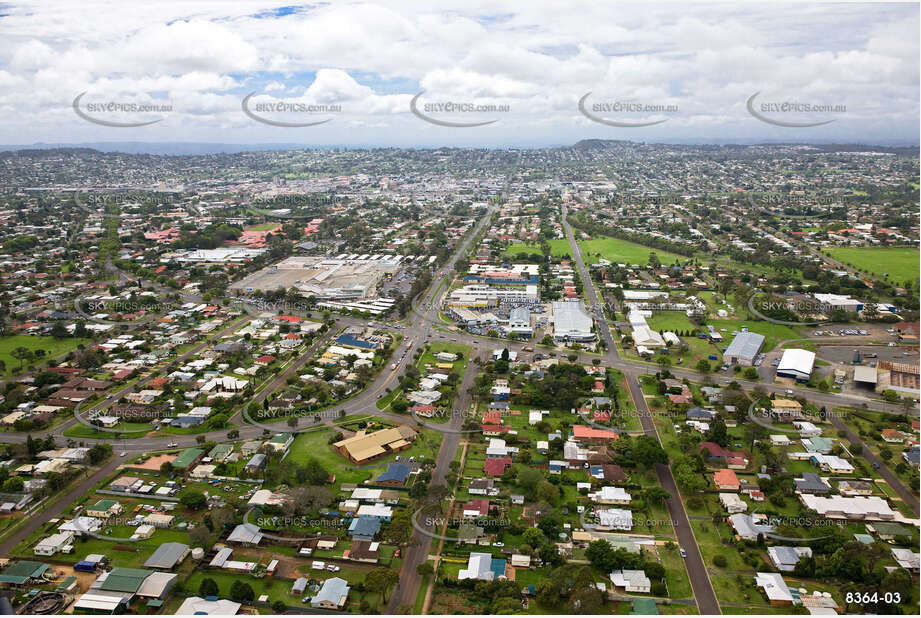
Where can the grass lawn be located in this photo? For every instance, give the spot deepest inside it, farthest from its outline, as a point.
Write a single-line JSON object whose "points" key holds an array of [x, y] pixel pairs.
{"points": [[315, 445], [900, 263], [52, 347], [622, 252], [559, 247]]}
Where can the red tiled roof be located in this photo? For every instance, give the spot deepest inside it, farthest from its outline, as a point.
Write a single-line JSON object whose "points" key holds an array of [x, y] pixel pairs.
{"points": [[496, 466]]}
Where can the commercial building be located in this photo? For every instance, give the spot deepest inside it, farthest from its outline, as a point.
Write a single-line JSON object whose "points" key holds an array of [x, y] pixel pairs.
{"points": [[796, 364], [482, 296], [571, 322], [325, 278], [899, 377], [744, 349], [364, 447]]}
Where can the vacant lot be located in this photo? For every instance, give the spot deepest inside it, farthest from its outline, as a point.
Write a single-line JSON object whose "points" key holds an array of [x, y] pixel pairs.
{"points": [[622, 252], [52, 347], [899, 263], [559, 247]]}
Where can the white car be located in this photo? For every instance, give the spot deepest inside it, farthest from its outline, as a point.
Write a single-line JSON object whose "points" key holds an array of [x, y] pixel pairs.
{"points": [[122, 454], [498, 544]]}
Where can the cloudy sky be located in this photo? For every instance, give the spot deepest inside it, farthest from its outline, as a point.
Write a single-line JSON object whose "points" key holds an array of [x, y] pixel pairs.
{"points": [[519, 72]]}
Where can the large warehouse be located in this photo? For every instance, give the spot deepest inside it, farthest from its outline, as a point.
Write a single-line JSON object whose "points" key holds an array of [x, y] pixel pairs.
{"points": [[571, 322], [336, 279], [796, 364], [743, 349]]}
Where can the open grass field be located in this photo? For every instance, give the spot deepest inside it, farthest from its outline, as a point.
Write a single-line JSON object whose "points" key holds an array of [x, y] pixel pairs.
{"points": [[622, 252], [52, 347], [900, 263], [559, 247]]}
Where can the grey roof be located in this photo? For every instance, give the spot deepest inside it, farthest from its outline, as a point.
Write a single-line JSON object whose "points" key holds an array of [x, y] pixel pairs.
{"points": [[244, 533], [257, 461], [519, 313], [745, 345], [167, 556], [745, 527], [811, 482], [332, 591], [699, 413], [300, 585], [571, 317]]}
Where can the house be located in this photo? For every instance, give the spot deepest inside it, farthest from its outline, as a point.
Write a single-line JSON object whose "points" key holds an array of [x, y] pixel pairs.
{"points": [[363, 551], [583, 434], [832, 464], [245, 534], [783, 409], [811, 483], [280, 442], [333, 594], [855, 508], [610, 495], [855, 488], [806, 429], [733, 503], [785, 558], [726, 480], [889, 530], [747, 528], [104, 509], [475, 509], [482, 487], [631, 580], [907, 559], [615, 519], [775, 588], [60, 542], [364, 528], [818, 445], [736, 460], [495, 466], [395, 475], [482, 566], [188, 459]]}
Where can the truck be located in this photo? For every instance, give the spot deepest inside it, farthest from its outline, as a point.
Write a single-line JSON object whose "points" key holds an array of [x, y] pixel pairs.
{"points": [[318, 565]]}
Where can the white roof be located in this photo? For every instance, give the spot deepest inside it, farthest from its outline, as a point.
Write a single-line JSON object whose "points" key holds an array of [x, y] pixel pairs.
{"points": [[799, 361], [774, 586], [199, 606], [857, 507]]}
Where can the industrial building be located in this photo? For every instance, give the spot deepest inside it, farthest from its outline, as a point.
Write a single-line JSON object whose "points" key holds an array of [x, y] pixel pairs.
{"points": [[335, 279], [744, 349], [571, 322], [796, 364]]}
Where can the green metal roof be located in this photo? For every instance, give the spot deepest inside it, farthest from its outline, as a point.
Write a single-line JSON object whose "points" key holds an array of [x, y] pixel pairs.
{"points": [[122, 579], [22, 571], [186, 457]]}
